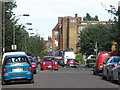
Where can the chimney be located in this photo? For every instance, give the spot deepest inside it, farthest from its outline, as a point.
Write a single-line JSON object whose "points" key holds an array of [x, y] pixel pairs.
{"points": [[42, 38], [49, 37], [76, 15]]}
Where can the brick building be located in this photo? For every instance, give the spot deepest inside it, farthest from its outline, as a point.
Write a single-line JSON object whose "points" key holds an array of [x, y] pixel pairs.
{"points": [[48, 44], [66, 32]]}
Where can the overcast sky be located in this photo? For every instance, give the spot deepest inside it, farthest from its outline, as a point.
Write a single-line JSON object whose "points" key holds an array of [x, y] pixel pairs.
{"points": [[44, 13]]}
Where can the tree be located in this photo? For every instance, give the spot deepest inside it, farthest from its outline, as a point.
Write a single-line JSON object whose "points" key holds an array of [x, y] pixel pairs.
{"points": [[44, 53], [95, 33], [89, 18]]}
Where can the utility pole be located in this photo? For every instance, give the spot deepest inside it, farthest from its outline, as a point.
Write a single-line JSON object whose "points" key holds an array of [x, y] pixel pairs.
{"points": [[96, 49], [119, 15], [3, 26]]}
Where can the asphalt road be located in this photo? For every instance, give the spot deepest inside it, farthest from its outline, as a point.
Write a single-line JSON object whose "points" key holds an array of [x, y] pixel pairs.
{"points": [[65, 78]]}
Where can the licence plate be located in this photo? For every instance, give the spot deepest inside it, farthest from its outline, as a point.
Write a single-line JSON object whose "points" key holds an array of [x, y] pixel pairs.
{"points": [[49, 66], [71, 65], [17, 70]]}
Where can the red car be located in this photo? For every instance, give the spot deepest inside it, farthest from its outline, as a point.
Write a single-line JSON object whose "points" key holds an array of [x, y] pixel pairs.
{"points": [[33, 62], [49, 62], [102, 56], [71, 62]]}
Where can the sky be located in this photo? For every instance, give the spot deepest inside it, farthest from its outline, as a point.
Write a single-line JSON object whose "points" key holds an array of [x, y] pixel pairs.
{"points": [[44, 13]]}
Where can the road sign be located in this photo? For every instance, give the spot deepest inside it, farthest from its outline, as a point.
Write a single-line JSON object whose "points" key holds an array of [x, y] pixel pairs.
{"points": [[14, 47]]}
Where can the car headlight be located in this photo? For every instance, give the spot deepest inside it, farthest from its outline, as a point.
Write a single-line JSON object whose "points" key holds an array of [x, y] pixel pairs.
{"points": [[43, 62]]}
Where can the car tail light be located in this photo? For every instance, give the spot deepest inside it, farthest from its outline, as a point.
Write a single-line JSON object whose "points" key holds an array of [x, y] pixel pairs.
{"points": [[30, 68], [101, 65], [5, 70], [113, 66]]}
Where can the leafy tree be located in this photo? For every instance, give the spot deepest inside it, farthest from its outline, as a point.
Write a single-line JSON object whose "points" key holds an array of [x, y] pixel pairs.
{"points": [[95, 33], [8, 24], [89, 18], [44, 53]]}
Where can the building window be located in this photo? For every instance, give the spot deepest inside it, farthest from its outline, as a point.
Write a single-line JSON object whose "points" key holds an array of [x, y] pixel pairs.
{"points": [[56, 33], [56, 43], [73, 21], [80, 29]]}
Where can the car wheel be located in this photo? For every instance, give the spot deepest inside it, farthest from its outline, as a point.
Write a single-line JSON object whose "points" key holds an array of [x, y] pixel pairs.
{"points": [[119, 79], [94, 73], [112, 78], [103, 77], [3, 82], [108, 77], [32, 80]]}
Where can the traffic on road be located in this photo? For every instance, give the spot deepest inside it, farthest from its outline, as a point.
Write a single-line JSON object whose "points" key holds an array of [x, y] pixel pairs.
{"points": [[18, 67]]}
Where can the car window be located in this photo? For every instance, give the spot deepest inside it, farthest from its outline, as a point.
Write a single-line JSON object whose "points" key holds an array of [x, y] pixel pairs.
{"points": [[109, 60], [116, 59], [14, 60], [48, 59], [73, 60], [30, 59]]}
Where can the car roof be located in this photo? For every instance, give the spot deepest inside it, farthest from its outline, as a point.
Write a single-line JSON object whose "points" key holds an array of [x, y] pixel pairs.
{"points": [[9, 56], [48, 57], [12, 53]]}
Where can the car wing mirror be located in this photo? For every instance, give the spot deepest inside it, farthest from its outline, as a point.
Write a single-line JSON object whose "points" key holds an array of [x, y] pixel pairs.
{"points": [[104, 62], [119, 62]]}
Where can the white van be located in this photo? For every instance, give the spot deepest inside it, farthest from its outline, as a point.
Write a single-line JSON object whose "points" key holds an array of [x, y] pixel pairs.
{"points": [[68, 55]]}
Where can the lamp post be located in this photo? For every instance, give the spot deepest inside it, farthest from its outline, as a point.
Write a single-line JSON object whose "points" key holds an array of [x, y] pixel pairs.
{"points": [[14, 46], [119, 15], [3, 26]]}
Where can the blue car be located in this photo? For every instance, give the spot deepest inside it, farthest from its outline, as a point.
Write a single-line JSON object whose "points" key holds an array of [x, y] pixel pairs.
{"points": [[16, 67]]}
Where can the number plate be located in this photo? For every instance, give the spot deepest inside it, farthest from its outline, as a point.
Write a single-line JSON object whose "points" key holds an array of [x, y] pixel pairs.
{"points": [[71, 65], [17, 70], [49, 66]]}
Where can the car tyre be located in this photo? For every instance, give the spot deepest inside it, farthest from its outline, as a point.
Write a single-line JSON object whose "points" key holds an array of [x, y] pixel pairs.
{"points": [[94, 73], [112, 79], [3, 82], [108, 77], [119, 79], [103, 77], [32, 80]]}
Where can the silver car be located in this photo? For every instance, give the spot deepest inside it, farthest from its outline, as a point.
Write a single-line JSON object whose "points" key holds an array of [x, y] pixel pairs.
{"points": [[115, 74], [108, 66]]}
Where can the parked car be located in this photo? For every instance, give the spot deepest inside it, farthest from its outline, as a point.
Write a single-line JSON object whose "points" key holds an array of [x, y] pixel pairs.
{"points": [[33, 63], [36, 60], [16, 66], [102, 56], [71, 62], [49, 62], [115, 74], [61, 62], [109, 65]]}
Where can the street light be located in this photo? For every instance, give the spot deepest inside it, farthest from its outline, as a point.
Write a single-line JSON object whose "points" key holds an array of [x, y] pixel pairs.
{"points": [[3, 26], [14, 46]]}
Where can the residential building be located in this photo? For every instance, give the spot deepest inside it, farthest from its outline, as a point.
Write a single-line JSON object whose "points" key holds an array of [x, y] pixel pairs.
{"points": [[67, 31], [48, 44]]}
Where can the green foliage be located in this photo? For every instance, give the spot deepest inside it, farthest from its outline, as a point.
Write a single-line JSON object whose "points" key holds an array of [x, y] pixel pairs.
{"points": [[44, 53], [69, 49], [31, 45], [79, 56], [90, 63], [95, 33], [89, 18]]}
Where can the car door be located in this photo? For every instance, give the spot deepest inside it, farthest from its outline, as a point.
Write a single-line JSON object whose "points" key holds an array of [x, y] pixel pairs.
{"points": [[106, 67]]}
